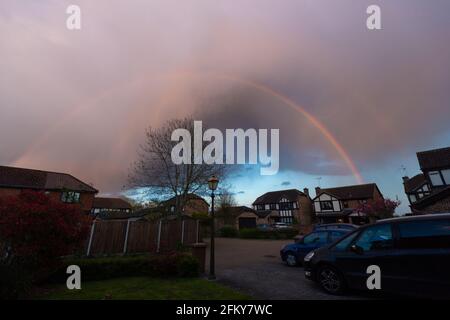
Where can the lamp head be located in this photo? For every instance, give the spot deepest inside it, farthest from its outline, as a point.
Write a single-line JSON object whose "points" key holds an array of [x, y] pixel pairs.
{"points": [[213, 182]]}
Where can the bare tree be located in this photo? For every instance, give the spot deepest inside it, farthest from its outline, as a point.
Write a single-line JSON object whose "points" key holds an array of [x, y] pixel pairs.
{"points": [[155, 170], [226, 202]]}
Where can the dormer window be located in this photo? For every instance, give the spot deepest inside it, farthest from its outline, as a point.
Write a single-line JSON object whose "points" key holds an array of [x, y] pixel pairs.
{"points": [[326, 205], [446, 175], [435, 178]]}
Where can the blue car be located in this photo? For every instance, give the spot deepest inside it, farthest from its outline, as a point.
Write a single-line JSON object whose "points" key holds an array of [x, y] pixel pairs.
{"points": [[325, 226], [294, 253]]}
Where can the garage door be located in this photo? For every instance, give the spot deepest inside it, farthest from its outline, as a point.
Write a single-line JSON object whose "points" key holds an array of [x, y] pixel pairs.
{"points": [[246, 223]]}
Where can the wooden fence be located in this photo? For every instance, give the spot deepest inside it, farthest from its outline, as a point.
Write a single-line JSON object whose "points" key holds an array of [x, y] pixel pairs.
{"points": [[109, 237]]}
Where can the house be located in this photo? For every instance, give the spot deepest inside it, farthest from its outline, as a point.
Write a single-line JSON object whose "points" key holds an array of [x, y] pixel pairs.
{"points": [[288, 206], [116, 205], [58, 186], [194, 204], [429, 191], [240, 217], [333, 205]]}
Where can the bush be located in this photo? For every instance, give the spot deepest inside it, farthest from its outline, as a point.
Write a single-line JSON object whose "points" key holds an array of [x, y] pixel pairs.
{"points": [[167, 265], [35, 232], [228, 232], [288, 233]]}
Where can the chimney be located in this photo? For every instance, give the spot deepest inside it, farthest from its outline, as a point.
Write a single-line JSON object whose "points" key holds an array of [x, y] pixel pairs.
{"points": [[405, 179], [306, 191], [317, 191]]}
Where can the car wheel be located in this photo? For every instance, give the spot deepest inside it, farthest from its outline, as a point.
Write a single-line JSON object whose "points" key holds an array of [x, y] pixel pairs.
{"points": [[291, 260], [331, 280]]}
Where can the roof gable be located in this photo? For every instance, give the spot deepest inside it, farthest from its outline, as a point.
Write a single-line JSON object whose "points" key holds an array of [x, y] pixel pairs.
{"points": [[433, 159], [12, 177], [275, 196], [354, 192], [415, 182]]}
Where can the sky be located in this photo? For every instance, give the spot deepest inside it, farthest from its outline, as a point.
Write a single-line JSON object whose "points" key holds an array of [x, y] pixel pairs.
{"points": [[79, 101]]}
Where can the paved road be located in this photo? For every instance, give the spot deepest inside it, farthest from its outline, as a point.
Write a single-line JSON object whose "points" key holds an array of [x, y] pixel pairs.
{"points": [[255, 267]]}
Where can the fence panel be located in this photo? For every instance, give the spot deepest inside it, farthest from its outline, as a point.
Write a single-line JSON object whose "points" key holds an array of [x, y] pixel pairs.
{"points": [[170, 235], [142, 237], [108, 237], [190, 232]]}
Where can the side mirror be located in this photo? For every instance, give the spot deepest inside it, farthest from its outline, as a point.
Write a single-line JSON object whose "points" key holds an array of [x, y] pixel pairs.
{"points": [[357, 249]]}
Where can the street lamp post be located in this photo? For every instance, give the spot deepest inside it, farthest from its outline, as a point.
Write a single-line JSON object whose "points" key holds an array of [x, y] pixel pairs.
{"points": [[212, 184]]}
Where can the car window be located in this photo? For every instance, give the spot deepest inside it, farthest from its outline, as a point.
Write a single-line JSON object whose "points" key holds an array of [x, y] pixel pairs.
{"points": [[375, 238], [344, 243], [316, 238], [334, 235], [424, 234]]}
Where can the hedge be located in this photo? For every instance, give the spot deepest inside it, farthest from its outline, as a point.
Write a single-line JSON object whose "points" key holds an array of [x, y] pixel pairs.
{"points": [[93, 269], [228, 232]]}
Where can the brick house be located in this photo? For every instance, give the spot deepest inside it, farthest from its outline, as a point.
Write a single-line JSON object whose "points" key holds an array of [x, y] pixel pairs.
{"points": [[110, 205], [194, 204], [239, 217], [58, 186], [338, 204], [429, 191], [288, 206]]}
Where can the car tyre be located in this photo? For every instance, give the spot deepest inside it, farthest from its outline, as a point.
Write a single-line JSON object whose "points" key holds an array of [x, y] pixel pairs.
{"points": [[291, 259], [331, 280]]}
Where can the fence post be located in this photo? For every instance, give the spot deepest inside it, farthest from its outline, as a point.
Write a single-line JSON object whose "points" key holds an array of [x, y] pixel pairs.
{"points": [[90, 238], [125, 244], [159, 237], [197, 235], [182, 231]]}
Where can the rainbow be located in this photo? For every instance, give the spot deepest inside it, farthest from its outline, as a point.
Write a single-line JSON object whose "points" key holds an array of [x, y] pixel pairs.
{"points": [[258, 86]]}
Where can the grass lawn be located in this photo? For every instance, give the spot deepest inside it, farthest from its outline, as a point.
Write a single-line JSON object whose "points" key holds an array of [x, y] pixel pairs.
{"points": [[141, 288]]}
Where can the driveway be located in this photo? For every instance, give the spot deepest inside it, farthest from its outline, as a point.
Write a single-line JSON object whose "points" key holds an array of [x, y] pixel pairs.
{"points": [[255, 267]]}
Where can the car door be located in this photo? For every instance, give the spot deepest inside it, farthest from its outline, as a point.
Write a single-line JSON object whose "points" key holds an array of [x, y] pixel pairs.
{"points": [[423, 260], [373, 245]]}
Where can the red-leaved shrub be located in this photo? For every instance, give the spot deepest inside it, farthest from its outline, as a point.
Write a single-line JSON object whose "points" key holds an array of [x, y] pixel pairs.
{"points": [[35, 231]]}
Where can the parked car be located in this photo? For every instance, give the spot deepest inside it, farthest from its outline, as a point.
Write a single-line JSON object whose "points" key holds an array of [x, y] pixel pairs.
{"points": [[264, 227], [280, 225], [413, 254], [294, 253], [346, 226]]}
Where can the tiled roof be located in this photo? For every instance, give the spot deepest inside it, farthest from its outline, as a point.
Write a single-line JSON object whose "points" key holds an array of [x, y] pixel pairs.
{"points": [[355, 192], [12, 177], [414, 182], [110, 203], [237, 210], [433, 159], [190, 196], [275, 196]]}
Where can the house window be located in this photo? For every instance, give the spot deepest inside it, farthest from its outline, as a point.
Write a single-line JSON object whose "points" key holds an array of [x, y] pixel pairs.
{"points": [[326, 205], [273, 206], [70, 197], [286, 216], [435, 178], [446, 175]]}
